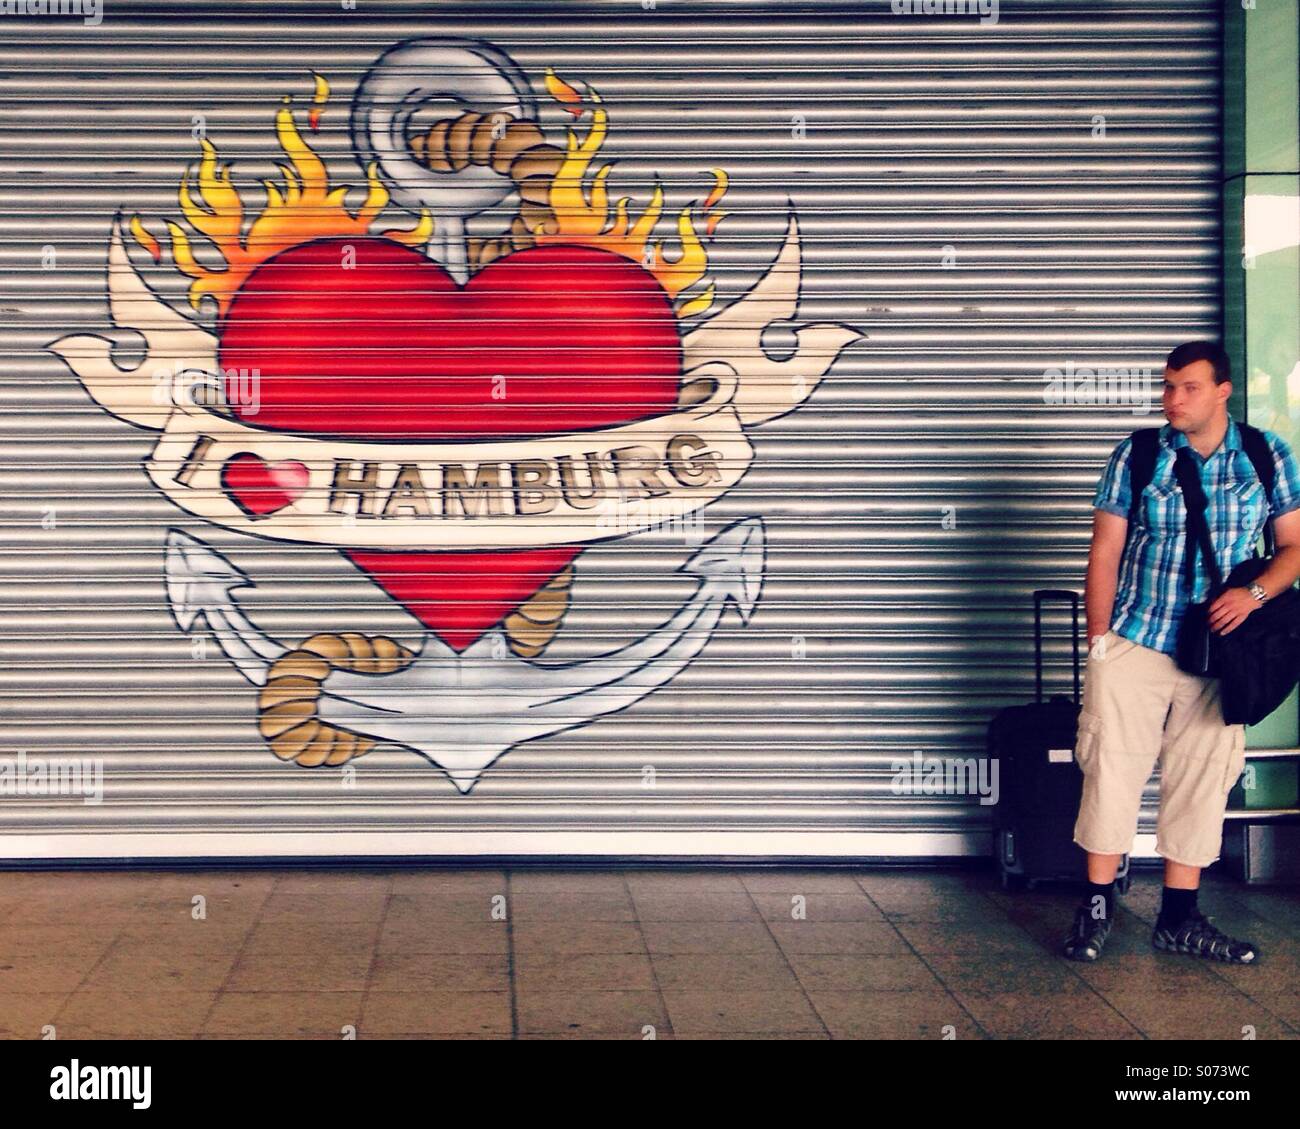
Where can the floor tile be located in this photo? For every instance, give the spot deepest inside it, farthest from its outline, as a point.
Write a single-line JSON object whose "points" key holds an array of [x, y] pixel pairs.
{"points": [[683, 881], [572, 905], [708, 937], [51, 969], [800, 881], [26, 1015], [1183, 1015], [761, 971], [624, 1014], [1075, 1012], [348, 906], [470, 881], [285, 1015], [999, 971], [336, 971], [420, 972], [140, 1013], [482, 907], [894, 1015], [817, 906], [757, 1036], [862, 972], [694, 905], [414, 936], [742, 1010], [594, 972], [134, 965], [873, 937], [436, 1011], [573, 937], [965, 937], [300, 938], [530, 881]]}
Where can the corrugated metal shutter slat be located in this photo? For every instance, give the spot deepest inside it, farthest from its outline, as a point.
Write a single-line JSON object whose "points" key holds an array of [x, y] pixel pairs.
{"points": [[880, 631]]}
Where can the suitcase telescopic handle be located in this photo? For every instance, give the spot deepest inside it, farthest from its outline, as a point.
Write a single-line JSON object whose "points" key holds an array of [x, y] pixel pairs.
{"points": [[1040, 596]]}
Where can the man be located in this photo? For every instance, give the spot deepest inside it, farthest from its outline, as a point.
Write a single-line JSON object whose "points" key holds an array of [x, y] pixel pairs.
{"points": [[1138, 706]]}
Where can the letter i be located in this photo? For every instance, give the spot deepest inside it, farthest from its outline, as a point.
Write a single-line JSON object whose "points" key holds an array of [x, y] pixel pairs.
{"points": [[194, 460]]}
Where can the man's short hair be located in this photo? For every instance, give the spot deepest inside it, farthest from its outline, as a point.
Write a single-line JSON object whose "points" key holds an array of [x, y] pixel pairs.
{"points": [[1211, 351]]}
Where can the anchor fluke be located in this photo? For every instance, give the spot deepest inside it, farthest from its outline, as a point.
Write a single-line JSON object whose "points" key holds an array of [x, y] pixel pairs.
{"points": [[199, 585], [199, 580], [732, 564]]}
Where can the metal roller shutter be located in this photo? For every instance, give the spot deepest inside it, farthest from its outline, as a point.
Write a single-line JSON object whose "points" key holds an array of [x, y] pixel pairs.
{"points": [[960, 200]]}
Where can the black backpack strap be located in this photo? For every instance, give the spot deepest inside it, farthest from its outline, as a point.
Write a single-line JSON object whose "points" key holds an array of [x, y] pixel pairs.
{"points": [[1261, 458], [1141, 467]]}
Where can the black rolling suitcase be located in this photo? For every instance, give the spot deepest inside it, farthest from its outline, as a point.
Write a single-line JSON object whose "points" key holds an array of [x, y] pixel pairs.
{"points": [[1039, 784]]}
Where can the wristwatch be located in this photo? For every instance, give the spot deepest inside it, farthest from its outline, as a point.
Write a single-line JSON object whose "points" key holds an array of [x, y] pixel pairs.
{"points": [[1257, 590]]}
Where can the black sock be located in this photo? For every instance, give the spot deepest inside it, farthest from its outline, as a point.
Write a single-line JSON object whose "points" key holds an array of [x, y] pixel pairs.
{"points": [[1176, 906], [1104, 890]]}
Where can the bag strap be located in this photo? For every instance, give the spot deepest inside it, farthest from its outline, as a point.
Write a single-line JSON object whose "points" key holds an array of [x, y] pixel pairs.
{"points": [[1261, 458], [1141, 469], [1141, 466], [1198, 529]]}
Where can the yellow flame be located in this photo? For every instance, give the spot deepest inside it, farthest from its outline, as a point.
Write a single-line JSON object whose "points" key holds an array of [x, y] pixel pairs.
{"points": [[720, 183], [318, 101], [698, 304], [584, 216], [302, 209]]}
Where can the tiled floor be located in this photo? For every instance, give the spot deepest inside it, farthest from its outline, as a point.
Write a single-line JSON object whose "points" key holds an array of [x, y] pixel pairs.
{"points": [[809, 954]]}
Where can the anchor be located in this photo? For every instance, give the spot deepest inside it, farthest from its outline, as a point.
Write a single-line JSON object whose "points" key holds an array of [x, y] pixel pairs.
{"points": [[462, 711]]}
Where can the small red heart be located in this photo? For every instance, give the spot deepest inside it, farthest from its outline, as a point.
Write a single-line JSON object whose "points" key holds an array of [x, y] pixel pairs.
{"points": [[366, 338], [260, 488]]}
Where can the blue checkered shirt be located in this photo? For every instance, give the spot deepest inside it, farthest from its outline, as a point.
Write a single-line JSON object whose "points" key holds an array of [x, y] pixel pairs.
{"points": [[1152, 593]]}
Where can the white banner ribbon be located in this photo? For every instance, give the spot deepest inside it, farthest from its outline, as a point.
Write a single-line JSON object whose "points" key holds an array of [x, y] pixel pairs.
{"points": [[550, 490]]}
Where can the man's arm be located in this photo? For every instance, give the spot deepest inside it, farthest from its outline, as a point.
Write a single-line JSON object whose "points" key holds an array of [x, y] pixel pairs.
{"points": [[1230, 610], [1285, 569], [1108, 534]]}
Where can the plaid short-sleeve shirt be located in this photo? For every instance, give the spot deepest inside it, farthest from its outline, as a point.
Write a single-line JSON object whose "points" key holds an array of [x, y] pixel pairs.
{"points": [[1152, 594]]}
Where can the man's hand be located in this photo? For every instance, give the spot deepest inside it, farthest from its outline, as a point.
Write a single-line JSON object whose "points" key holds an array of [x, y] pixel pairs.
{"points": [[1230, 610]]}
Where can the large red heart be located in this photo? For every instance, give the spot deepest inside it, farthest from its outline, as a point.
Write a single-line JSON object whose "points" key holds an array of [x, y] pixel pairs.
{"points": [[367, 338]]}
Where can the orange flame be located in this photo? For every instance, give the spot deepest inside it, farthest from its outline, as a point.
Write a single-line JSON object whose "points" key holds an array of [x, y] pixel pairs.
{"points": [[583, 215], [146, 239], [302, 209], [563, 93]]}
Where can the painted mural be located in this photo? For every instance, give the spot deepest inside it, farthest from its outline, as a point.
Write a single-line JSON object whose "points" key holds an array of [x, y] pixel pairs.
{"points": [[459, 415]]}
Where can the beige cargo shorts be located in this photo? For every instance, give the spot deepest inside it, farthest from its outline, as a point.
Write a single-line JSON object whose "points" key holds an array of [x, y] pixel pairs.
{"points": [[1139, 708]]}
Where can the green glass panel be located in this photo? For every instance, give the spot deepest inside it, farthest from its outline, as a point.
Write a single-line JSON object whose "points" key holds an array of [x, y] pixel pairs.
{"points": [[1268, 280], [1272, 117]]}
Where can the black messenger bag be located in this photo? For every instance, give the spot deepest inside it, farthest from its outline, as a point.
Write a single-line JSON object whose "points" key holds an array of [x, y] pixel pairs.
{"points": [[1258, 662]]}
